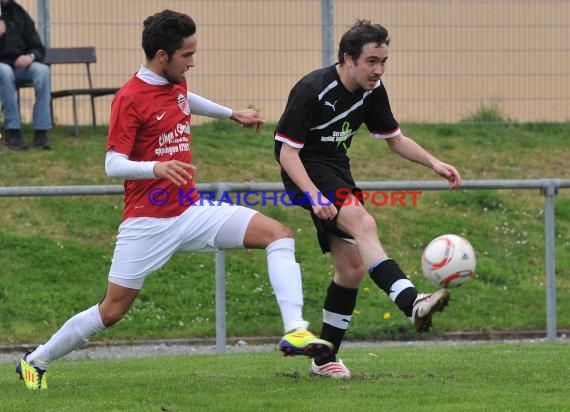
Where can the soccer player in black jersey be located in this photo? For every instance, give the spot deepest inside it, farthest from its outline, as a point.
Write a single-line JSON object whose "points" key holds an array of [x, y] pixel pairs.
{"points": [[324, 111]]}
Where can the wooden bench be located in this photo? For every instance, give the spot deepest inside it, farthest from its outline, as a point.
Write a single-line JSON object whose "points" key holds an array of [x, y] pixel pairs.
{"points": [[75, 55], [78, 55]]}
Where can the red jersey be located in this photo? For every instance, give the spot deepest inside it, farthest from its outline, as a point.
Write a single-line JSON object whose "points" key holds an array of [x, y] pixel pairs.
{"points": [[152, 123]]}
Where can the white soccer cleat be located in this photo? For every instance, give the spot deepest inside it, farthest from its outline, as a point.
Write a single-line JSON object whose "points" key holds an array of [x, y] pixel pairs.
{"points": [[335, 370], [425, 305]]}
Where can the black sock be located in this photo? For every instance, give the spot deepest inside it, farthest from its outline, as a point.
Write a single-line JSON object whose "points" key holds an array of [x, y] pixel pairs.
{"points": [[385, 275], [340, 303]]}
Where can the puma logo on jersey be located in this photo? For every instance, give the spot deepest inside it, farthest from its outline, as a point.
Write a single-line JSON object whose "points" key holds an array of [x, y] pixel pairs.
{"points": [[327, 103], [160, 116]]}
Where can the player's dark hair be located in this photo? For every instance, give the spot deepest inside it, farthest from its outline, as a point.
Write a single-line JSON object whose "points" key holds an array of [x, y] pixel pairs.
{"points": [[357, 36], [166, 30]]}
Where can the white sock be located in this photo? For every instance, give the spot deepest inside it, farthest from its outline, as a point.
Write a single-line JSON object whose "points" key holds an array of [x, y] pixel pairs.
{"points": [[74, 333], [285, 278]]}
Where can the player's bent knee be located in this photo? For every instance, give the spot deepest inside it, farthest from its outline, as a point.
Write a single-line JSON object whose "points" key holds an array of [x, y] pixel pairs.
{"points": [[350, 278], [355, 273], [110, 316], [272, 228], [263, 231], [283, 232], [278, 232], [368, 221], [365, 227]]}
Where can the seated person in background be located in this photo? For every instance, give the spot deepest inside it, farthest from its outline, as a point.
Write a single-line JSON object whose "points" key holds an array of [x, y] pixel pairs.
{"points": [[21, 51]]}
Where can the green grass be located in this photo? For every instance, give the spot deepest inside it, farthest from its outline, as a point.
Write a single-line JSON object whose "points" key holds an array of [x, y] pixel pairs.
{"points": [[486, 114], [481, 377], [55, 251]]}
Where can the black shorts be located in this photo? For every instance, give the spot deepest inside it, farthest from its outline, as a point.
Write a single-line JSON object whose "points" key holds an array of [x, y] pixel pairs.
{"points": [[336, 188]]}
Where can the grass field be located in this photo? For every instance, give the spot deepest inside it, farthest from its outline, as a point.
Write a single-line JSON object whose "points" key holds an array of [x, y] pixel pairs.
{"points": [[55, 251], [478, 377]]}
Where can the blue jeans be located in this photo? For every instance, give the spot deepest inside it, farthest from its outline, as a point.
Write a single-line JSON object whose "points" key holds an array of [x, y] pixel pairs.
{"points": [[40, 75]]}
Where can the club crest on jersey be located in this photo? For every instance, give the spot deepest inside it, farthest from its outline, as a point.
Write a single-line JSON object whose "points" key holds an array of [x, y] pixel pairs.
{"points": [[340, 137], [182, 101]]}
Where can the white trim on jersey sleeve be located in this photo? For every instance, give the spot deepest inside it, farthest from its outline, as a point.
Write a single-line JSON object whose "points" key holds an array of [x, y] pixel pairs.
{"points": [[204, 107], [284, 139], [388, 135], [119, 166]]}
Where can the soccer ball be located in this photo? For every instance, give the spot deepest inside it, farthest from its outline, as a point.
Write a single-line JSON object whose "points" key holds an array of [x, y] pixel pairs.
{"points": [[449, 261]]}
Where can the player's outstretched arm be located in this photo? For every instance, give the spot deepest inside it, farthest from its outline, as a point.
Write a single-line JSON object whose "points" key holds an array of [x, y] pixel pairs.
{"points": [[248, 118], [448, 172], [411, 150], [204, 107]]}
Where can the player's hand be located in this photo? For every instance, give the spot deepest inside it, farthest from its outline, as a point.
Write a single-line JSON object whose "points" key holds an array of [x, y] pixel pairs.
{"points": [[176, 171], [2, 27], [323, 208], [448, 172], [23, 61], [248, 118]]}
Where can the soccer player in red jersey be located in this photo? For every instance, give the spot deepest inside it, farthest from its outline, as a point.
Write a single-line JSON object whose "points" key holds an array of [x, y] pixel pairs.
{"points": [[149, 146]]}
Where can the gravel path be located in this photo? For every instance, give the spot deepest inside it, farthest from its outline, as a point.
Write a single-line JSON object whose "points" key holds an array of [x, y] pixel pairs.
{"points": [[117, 350]]}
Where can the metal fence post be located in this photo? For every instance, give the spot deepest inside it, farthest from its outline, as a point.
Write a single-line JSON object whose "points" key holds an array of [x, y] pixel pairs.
{"points": [[549, 191], [327, 30], [44, 21], [221, 301], [221, 329]]}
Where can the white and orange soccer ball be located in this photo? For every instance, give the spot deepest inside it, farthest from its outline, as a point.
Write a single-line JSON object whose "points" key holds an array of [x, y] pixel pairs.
{"points": [[449, 261]]}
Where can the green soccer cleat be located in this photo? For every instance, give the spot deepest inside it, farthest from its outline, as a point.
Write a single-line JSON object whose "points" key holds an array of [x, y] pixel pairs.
{"points": [[34, 378], [303, 342]]}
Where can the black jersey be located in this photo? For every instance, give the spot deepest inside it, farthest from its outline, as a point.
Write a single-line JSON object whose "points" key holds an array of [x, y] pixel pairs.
{"points": [[322, 116]]}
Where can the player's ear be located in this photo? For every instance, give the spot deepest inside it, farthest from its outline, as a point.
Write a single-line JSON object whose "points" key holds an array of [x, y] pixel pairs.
{"points": [[161, 56]]}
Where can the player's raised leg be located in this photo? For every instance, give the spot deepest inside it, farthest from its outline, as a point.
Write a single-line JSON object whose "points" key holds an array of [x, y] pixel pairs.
{"points": [[285, 278], [385, 272]]}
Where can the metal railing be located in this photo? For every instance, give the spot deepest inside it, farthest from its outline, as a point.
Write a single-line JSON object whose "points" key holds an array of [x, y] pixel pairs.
{"points": [[548, 188]]}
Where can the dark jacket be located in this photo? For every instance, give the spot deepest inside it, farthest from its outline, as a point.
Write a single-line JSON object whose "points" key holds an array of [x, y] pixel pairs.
{"points": [[21, 36]]}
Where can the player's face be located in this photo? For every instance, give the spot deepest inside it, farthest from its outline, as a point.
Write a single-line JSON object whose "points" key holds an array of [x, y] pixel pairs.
{"points": [[370, 66], [181, 60]]}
